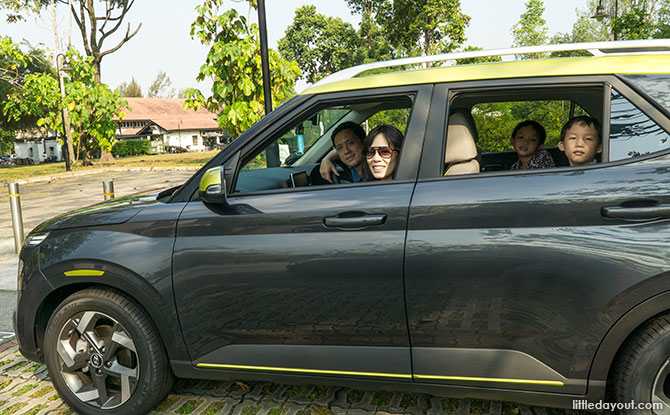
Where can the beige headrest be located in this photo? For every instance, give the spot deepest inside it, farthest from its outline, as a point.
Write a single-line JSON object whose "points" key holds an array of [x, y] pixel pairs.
{"points": [[461, 137]]}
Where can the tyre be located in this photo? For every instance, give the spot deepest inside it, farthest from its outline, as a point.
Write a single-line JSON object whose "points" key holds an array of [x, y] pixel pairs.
{"points": [[104, 355], [642, 374]]}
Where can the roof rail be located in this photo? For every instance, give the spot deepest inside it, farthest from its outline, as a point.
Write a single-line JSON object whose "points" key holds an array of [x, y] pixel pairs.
{"points": [[626, 47]]}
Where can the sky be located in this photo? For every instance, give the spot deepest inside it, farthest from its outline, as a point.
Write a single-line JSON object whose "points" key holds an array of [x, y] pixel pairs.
{"points": [[163, 43]]}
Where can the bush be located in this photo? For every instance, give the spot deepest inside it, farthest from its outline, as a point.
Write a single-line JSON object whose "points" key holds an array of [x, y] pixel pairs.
{"points": [[123, 148]]}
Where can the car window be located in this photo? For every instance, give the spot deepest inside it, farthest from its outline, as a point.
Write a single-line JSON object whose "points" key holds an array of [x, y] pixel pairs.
{"points": [[489, 119], [301, 146], [632, 133], [656, 86]]}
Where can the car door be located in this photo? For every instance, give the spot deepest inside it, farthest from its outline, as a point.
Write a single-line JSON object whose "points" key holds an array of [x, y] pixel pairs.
{"points": [[513, 278], [301, 280]]}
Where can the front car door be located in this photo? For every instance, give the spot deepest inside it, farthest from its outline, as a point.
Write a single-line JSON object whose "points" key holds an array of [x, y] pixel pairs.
{"points": [[305, 280], [514, 277]]}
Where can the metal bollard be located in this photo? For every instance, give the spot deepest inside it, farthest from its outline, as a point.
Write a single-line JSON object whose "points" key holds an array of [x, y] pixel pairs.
{"points": [[108, 189], [17, 218]]}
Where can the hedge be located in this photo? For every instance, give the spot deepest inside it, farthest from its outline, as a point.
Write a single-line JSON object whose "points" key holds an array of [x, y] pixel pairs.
{"points": [[124, 148]]}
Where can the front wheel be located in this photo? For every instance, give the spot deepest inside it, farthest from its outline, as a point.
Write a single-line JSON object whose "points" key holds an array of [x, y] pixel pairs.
{"points": [[642, 374], [104, 355]]}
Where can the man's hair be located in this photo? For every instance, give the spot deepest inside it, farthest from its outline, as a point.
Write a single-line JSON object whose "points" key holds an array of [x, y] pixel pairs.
{"points": [[539, 129], [348, 125], [583, 120]]}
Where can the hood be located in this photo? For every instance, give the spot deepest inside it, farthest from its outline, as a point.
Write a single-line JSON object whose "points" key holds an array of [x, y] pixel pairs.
{"points": [[111, 212]]}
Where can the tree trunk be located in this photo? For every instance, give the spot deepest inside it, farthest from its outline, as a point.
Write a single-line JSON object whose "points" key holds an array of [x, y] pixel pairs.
{"points": [[106, 156]]}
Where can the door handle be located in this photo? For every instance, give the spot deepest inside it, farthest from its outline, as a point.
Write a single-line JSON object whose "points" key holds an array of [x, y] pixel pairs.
{"points": [[637, 210], [354, 222]]}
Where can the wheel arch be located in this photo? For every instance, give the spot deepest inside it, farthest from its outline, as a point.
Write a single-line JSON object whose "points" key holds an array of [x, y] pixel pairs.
{"points": [[621, 331], [127, 283]]}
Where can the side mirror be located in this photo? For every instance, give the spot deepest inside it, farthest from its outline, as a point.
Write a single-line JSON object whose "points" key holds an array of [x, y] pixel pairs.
{"points": [[213, 185]]}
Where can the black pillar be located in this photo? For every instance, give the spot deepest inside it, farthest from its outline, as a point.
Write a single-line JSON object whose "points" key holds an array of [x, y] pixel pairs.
{"points": [[272, 152]]}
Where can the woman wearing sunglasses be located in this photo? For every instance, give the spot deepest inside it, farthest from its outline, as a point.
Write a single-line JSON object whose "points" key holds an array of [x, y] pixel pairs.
{"points": [[382, 151]]}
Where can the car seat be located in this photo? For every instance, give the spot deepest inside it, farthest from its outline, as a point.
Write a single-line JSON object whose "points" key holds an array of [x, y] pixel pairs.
{"points": [[461, 154]]}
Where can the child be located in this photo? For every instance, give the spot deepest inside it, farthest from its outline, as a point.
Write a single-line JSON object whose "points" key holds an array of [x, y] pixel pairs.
{"points": [[580, 140], [528, 142]]}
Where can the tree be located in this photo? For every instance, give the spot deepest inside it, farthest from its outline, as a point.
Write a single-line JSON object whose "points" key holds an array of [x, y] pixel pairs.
{"points": [[92, 106], [531, 30], [160, 87], [483, 59], [320, 45], [663, 29], [15, 64], [130, 90], [369, 11], [95, 25], [234, 65], [429, 26]]}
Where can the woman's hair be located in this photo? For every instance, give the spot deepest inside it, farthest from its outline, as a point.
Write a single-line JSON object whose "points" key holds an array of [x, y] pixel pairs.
{"points": [[539, 129], [392, 135], [394, 138]]}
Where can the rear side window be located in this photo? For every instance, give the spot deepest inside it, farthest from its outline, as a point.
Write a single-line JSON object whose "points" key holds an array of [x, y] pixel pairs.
{"points": [[656, 86], [632, 133]]}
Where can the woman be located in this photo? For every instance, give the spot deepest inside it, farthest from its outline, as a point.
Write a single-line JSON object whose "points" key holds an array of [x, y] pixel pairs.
{"points": [[382, 151]]}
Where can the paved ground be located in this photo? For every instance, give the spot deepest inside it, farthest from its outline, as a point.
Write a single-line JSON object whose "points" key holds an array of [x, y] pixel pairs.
{"points": [[25, 387]]}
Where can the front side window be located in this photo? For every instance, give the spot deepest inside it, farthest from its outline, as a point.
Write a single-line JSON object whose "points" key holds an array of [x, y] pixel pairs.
{"points": [[655, 86], [292, 159], [632, 133]]}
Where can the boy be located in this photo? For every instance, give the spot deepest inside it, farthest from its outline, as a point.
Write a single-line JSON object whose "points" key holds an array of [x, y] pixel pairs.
{"points": [[581, 141], [528, 141]]}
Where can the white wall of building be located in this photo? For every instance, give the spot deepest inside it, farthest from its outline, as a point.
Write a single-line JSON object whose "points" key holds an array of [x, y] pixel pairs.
{"points": [[190, 139], [37, 151]]}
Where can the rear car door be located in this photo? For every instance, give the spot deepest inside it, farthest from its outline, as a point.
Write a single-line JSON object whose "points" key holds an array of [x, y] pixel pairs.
{"points": [[513, 278], [305, 280]]}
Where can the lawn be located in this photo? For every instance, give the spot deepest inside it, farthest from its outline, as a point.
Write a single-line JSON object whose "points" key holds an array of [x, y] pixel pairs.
{"points": [[9, 173]]}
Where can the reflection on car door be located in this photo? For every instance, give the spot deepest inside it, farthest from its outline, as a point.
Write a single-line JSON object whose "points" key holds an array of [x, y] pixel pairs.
{"points": [[264, 284]]}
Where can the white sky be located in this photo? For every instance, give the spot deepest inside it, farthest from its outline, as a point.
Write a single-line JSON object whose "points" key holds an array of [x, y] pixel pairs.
{"points": [[163, 42]]}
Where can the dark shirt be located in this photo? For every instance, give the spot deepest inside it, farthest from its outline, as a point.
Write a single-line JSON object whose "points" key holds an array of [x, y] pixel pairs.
{"points": [[541, 159]]}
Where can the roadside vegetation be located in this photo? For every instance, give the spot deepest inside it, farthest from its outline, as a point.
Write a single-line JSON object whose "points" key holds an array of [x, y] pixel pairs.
{"points": [[10, 173]]}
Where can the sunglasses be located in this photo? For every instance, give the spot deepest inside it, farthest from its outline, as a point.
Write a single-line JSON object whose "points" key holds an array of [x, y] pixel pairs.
{"points": [[384, 152]]}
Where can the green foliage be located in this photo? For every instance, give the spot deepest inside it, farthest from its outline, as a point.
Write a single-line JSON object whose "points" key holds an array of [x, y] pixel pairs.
{"points": [[320, 45], [91, 106], [483, 59], [234, 64], [130, 89], [427, 26], [633, 25], [18, 9], [496, 121], [663, 28], [125, 148], [531, 30]]}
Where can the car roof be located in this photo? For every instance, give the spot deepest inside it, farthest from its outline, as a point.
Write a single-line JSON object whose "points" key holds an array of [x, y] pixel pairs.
{"points": [[633, 63]]}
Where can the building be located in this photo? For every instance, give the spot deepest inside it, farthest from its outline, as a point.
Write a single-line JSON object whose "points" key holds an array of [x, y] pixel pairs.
{"points": [[37, 146], [169, 126]]}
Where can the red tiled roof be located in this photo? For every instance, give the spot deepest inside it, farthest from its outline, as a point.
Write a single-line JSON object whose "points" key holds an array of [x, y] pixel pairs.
{"points": [[169, 113]]}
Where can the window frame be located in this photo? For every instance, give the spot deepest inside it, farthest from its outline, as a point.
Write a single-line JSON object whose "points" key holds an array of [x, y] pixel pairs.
{"points": [[411, 149], [431, 166]]}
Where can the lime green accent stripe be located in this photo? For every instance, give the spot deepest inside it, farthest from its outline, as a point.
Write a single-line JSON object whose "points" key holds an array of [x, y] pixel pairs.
{"points": [[84, 273], [294, 370], [499, 380], [14, 195]]}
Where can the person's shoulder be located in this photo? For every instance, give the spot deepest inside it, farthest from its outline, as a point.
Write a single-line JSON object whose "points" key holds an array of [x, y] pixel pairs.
{"points": [[541, 160]]}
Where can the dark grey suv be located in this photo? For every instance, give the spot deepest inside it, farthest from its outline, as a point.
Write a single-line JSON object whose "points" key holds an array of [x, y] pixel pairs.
{"points": [[538, 286]]}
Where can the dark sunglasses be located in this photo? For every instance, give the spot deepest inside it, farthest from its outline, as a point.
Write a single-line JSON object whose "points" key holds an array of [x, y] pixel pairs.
{"points": [[384, 152]]}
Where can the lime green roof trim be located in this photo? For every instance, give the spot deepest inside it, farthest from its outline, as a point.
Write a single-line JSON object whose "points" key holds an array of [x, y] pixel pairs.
{"points": [[626, 64]]}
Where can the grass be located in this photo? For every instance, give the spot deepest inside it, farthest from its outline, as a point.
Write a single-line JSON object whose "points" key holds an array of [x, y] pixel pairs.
{"points": [[14, 408], [251, 410], [382, 398], [189, 406], [214, 408], [166, 404], [354, 396], [478, 406], [42, 392], [11, 173], [450, 405], [35, 410], [25, 389], [5, 383]]}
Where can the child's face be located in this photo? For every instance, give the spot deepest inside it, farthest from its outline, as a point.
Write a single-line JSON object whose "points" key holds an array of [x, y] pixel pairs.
{"points": [[526, 142], [581, 144]]}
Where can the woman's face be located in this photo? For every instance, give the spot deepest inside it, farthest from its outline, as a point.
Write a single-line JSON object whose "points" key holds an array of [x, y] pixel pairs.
{"points": [[382, 168]]}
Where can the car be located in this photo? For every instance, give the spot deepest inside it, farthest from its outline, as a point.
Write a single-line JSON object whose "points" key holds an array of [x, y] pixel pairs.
{"points": [[459, 277]]}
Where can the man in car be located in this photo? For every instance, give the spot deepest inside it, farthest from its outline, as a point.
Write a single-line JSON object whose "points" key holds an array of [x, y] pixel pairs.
{"points": [[348, 143]]}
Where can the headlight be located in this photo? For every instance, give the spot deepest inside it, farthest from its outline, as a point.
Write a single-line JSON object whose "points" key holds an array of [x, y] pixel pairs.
{"points": [[34, 240]]}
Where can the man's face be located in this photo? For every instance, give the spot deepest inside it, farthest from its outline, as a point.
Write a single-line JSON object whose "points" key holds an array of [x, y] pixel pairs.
{"points": [[349, 148], [581, 144]]}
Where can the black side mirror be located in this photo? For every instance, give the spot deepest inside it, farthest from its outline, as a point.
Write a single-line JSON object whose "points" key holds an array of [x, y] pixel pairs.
{"points": [[213, 185], [292, 158]]}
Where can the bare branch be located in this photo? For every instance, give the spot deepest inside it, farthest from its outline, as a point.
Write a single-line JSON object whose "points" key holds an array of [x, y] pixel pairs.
{"points": [[124, 40], [81, 23], [90, 8]]}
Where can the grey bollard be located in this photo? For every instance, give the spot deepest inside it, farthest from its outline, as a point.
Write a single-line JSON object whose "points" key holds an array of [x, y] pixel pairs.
{"points": [[17, 218], [108, 189]]}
